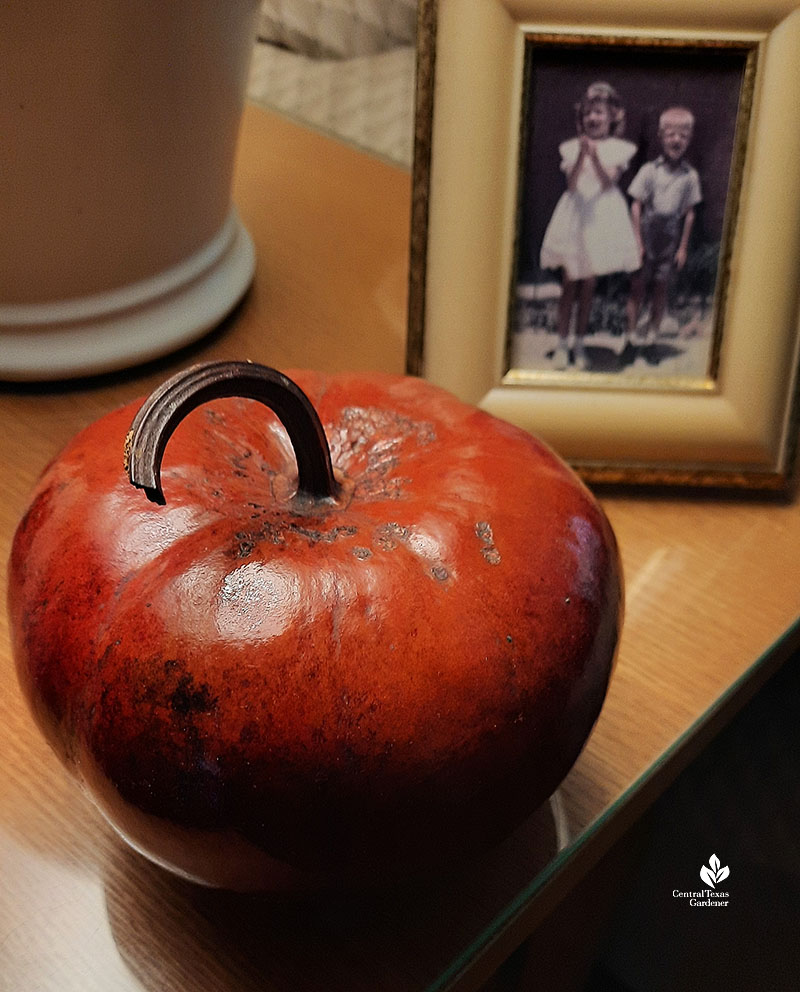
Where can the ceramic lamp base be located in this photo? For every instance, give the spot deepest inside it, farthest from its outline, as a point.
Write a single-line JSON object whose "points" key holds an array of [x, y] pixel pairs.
{"points": [[124, 327]]}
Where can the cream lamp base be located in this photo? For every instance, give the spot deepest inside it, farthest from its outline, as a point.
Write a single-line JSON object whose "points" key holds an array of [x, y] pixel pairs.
{"points": [[124, 327]]}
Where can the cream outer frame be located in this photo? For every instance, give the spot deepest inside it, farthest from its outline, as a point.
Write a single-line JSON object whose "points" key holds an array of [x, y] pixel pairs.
{"points": [[469, 94]]}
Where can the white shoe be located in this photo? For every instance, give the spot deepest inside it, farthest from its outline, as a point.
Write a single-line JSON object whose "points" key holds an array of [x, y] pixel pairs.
{"points": [[560, 358], [581, 359]]}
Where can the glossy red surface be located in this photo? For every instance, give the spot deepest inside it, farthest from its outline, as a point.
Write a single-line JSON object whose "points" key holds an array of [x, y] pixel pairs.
{"points": [[257, 696]]}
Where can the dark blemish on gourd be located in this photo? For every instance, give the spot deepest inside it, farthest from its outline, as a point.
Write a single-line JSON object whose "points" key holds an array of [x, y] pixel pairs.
{"points": [[258, 510], [362, 553], [249, 733], [186, 698], [483, 532], [369, 444], [324, 536], [388, 536], [239, 462], [276, 533], [123, 582]]}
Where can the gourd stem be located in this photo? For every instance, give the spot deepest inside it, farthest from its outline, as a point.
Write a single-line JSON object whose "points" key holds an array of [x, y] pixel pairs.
{"points": [[164, 409]]}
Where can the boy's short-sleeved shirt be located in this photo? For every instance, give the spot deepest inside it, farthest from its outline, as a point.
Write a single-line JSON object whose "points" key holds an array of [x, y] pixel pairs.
{"points": [[666, 191]]}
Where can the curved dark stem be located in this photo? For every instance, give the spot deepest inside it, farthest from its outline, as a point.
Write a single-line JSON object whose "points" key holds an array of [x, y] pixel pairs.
{"points": [[164, 409]]}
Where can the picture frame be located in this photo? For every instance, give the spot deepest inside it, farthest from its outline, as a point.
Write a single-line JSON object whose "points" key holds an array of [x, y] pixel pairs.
{"points": [[727, 417]]}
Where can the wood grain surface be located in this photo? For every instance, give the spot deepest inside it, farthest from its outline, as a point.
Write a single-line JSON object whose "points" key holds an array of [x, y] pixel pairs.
{"points": [[713, 597]]}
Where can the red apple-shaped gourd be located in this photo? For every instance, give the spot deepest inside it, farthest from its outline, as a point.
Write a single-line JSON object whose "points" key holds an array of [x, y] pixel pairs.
{"points": [[306, 659]]}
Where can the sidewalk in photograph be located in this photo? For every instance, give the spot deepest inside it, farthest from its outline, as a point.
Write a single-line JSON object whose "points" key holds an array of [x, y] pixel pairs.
{"points": [[681, 348]]}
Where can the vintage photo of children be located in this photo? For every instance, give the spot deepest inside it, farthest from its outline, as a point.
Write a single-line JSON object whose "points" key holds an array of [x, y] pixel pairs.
{"points": [[628, 158]]}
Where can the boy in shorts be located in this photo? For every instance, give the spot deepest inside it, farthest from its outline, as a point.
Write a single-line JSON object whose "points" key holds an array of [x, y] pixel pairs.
{"points": [[665, 193]]}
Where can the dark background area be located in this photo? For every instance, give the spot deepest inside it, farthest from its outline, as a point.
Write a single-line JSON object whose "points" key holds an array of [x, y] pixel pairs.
{"points": [[741, 800], [738, 799], [707, 80]]}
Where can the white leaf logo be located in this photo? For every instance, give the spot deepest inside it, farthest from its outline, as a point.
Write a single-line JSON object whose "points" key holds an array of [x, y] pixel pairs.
{"points": [[708, 876], [713, 873]]}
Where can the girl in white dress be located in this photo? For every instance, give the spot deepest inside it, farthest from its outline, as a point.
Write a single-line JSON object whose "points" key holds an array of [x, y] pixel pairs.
{"points": [[590, 233]]}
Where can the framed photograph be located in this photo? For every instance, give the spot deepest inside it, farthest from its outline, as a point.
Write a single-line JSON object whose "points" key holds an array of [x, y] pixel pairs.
{"points": [[596, 285], [606, 230]]}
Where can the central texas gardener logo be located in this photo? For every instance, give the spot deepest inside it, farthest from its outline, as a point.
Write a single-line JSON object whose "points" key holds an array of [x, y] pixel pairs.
{"points": [[712, 873]]}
